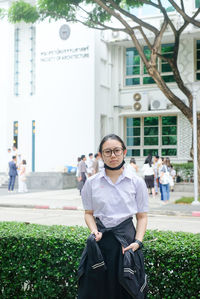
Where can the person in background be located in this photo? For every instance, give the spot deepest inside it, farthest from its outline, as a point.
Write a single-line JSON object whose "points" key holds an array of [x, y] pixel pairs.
{"points": [[110, 199], [77, 169], [22, 187], [165, 180], [148, 173], [173, 176], [90, 167], [101, 164], [155, 168], [12, 174], [96, 163], [132, 165], [160, 165], [82, 172]]}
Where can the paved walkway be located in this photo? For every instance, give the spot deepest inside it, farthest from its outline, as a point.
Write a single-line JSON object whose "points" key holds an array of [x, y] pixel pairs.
{"points": [[70, 200]]}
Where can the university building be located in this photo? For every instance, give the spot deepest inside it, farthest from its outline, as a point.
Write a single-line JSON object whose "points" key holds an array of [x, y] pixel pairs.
{"points": [[64, 86]]}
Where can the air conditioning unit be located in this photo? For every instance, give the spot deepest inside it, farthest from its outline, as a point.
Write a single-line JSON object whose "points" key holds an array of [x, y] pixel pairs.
{"points": [[158, 104], [140, 101]]}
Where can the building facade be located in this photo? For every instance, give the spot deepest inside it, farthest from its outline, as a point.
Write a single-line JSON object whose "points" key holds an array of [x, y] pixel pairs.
{"points": [[64, 86]]}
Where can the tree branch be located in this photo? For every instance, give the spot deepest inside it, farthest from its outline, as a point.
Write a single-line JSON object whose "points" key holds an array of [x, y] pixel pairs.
{"points": [[133, 17], [184, 15]]}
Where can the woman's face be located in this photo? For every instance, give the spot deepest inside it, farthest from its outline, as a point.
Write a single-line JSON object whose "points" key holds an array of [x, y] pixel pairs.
{"points": [[110, 158]]}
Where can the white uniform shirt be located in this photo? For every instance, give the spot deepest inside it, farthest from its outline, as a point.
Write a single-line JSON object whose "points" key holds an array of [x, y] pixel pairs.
{"points": [[147, 170], [114, 203]]}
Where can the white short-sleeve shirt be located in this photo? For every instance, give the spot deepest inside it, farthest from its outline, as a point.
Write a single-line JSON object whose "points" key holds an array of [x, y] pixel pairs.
{"points": [[112, 202]]}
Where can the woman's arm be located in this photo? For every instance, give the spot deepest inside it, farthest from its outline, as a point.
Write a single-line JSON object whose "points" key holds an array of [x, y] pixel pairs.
{"points": [[140, 231], [90, 221]]}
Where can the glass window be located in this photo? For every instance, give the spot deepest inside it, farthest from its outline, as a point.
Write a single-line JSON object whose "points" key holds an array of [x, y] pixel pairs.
{"points": [[169, 152], [133, 131], [150, 140], [133, 153], [151, 121], [156, 135], [169, 130], [153, 152], [169, 120], [16, 62], [133, 141], [197, 3], [151, 131], [169, 140], [198, 58], [136, 71]]}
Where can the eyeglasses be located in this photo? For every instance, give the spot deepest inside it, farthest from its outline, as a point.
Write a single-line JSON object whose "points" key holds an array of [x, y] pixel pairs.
{"points": [[117, 152]]}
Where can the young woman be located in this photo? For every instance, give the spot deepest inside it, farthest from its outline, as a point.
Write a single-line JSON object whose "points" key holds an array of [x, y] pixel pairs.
{"points": [[149, 174], [22, 177], [132, 166], [112, 266], [165, 180]]}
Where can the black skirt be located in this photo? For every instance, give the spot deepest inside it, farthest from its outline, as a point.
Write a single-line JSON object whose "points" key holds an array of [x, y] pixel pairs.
{"points": [[149, 180]]}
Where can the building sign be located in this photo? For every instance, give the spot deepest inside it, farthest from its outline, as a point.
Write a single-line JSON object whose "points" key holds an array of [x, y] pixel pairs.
{"points": [[64, 54], [64, 32]]}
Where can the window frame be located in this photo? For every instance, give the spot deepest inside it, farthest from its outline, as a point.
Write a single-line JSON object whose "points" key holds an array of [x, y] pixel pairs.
{"points": [[142, 74], [158, 147], [196, 71]]}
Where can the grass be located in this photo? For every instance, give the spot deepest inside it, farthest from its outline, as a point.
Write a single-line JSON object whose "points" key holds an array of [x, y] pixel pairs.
{"points": [[185, 200]]}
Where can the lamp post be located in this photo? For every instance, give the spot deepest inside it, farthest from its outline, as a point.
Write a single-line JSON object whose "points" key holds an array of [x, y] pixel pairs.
{"points": [[195, 202]]}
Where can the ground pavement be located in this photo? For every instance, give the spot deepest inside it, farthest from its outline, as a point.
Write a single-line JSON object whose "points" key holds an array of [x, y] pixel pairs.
{"points": [[70, 200]]}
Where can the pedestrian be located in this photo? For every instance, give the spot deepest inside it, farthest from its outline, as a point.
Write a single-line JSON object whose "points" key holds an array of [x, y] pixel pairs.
{"points": [[96, 163], [155, 169], [22, 187], [9, 158], [165, 180], [132, 165], [173, 176], [110, 199], [82, 172], [77, 168], [90, 165], [12, 173], [148, 173]]}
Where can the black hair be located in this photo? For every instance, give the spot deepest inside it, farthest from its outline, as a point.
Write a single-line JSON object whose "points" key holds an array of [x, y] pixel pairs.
{"points": [[96, 155], [82, 157], [111, 136], [24, 162], [133, 160], [90, 154], [79, 159], [157, 157], [148, 160], [13, 157]]}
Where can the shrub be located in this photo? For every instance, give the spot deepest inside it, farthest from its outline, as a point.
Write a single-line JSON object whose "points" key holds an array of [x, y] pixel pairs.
{"points": [[41, 262], [185, 171]]}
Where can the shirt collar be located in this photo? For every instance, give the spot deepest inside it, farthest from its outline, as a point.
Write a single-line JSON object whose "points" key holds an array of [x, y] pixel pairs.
{"points": [[125, 173]]}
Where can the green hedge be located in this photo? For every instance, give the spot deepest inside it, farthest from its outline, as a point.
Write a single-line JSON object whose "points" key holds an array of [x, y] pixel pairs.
{"points": [[41, 262], [184, 170]]}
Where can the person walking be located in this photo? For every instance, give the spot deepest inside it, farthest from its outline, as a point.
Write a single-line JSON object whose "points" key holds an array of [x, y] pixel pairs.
{"points": [[132, 165], [96, 163], [155, 169], [82, 172], [165, 180], [110, 199], [90, 165], [22, 187], [12, 173], [148, 173]]}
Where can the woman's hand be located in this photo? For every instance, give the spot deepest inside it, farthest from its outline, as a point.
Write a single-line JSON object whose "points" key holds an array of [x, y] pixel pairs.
{"points": [[98, 235], [134, 246]]}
